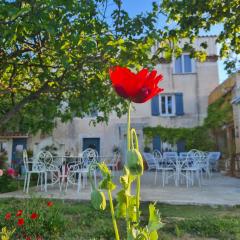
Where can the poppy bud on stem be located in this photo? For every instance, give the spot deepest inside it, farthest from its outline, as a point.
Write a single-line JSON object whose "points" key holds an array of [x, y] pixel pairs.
{"points": [[135, 164]]}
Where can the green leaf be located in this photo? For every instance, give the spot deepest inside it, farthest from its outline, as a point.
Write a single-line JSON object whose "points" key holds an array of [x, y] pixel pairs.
{"points": [[121, 207], [153, 235], [104, 169], [132, 208], [98, 199], [106, 182], [154, 222], [127, 178]]}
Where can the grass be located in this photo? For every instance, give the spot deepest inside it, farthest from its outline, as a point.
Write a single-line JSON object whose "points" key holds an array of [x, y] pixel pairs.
{"points": [[181, 222]]}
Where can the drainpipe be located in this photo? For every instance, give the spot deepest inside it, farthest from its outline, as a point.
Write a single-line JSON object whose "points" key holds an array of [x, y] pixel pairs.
{"points": [[197, 94]]}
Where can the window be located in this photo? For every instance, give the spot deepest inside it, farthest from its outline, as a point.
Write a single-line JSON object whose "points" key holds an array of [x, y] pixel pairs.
{"points": [[184, 64], [167, 105]]}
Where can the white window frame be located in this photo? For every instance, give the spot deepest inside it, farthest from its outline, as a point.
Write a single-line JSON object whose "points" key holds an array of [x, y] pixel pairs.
{"points": [[166, 105], [183, 71]]}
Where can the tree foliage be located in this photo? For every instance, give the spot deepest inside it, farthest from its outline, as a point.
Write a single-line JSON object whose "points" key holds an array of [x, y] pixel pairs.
{"points": [[55, 56], [193, 16]]}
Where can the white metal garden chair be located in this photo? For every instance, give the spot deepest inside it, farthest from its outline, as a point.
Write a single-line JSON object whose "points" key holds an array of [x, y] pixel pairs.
{"points": [[166, 168], [190, 169], [205, 165], [170, 156], [52, 166], [33, 167], [150, 160], [78, 172], [213, 158]]}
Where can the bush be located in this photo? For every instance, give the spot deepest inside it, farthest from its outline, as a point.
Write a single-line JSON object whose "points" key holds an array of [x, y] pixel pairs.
{"points": [[33, 219]]}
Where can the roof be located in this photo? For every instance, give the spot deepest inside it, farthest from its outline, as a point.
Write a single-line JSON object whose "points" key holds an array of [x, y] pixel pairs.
{"points": [[13, 135], [221, 90]]}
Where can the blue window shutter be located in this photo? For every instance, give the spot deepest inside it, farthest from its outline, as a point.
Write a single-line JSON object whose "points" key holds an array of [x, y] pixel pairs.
{"points": [[156, 142], [179, 104], [181, 146], [155, 106]]}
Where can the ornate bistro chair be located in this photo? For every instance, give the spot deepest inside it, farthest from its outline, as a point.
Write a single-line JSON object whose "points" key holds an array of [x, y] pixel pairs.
{"points": [[78, 172], [33, 167], [52, 166]]}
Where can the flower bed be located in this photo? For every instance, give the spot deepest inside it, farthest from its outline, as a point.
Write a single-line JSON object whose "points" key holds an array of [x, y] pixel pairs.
{"points": [[33, 219]]}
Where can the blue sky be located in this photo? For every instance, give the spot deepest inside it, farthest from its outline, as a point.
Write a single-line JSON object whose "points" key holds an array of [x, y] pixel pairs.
{"points": [[137, 6]]}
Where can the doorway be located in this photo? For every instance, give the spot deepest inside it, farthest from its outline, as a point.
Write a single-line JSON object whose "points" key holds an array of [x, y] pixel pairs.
{"points": [[19, 144], [93, 143]]}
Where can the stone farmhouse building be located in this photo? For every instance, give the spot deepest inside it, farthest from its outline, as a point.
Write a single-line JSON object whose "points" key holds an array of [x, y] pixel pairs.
{"points": [[184, 102]]}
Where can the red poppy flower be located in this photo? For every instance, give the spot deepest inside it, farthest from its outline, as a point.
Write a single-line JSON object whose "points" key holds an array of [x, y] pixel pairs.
{"points": [[28, 238], [19, 213], [20, 221], [50, 204], [34, 216], [139, 87], [8, 216]]}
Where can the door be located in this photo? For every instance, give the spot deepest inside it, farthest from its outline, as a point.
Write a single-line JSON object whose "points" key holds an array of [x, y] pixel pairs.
{"points": [[93, 143], [17, 152]]}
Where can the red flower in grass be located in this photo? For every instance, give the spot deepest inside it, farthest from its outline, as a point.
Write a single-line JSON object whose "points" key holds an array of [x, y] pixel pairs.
{"points": [[20, 221], [19, 213], [8, 216], [139, 87], [34, 216], [28, 238], [50, 204]]}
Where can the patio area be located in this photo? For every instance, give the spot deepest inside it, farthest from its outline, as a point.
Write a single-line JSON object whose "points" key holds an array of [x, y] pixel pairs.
{"points": [[218, 190]]}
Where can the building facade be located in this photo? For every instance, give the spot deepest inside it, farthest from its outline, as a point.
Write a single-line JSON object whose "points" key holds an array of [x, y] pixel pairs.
{"points": [[187, 84], [227, 136]]}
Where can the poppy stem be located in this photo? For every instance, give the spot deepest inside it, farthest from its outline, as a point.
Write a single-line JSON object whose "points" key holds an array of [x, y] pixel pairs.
{"points": [[128, 149], [138, 198], [129, 128], [113, 216]]}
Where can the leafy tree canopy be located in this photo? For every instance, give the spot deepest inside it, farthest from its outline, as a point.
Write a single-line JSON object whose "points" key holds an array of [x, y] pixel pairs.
{"points": [[55, 56], [195, 15]]}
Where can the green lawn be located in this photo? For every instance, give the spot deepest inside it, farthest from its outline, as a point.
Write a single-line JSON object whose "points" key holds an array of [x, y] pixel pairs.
{"points": [[181, 222]]}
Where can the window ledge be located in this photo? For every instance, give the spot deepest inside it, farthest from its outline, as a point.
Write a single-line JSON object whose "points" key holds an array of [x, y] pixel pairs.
{"points": [[168, 116], [191, 73]]}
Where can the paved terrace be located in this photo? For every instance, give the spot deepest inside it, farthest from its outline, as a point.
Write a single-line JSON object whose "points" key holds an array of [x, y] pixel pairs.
{"points": [[219, 190]]}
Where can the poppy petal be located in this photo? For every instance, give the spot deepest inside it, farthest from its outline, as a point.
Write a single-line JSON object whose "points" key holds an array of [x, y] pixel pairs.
{"points": [[138, 87]]}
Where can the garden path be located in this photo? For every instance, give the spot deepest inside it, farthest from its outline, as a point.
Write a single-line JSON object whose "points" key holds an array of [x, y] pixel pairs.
{"points": [[219, 190]]}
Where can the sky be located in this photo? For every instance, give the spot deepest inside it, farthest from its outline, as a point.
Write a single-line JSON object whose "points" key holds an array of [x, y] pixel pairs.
{"points": [[137, 6]]}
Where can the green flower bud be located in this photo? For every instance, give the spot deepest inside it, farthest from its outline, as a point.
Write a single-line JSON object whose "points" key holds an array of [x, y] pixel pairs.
{"points": [[98, 200], [135, 162]]}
